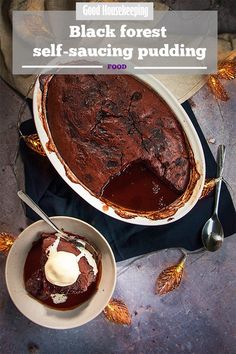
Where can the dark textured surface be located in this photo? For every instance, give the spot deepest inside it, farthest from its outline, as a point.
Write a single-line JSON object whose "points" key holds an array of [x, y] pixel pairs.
{"points": [[226, 10], [197, 318]]}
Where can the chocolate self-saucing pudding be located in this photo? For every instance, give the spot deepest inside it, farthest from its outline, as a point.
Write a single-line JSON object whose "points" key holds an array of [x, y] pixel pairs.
{"points": [[119, 139], [59, 274]]}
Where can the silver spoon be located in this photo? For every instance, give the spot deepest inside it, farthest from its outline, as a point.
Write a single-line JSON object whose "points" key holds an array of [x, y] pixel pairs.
{"points": [[212, 232], [81, 243]]}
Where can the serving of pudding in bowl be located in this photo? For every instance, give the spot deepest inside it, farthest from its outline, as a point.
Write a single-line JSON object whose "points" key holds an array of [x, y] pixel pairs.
{"points": [[121, 142], [60, 274], [56, 283]]}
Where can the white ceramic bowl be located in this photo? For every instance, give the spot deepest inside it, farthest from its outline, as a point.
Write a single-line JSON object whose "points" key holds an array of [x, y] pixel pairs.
{"points": [[44, 315], [188, 128]]}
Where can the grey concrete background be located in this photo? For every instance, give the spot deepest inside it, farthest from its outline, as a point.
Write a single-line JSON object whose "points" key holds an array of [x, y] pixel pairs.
{"points": [[226, 10], [199, 317]]}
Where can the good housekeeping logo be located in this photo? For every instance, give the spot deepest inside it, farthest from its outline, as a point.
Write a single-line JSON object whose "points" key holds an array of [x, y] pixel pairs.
{"points": [[114, 11]]}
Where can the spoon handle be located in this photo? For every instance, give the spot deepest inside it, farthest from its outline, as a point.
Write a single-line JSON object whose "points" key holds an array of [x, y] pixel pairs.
{"points": [[220, 167], [27, 200]]}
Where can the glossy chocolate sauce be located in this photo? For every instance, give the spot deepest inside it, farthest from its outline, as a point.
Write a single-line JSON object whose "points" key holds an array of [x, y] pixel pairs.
{"points": [[34, 263], [137, 187]]}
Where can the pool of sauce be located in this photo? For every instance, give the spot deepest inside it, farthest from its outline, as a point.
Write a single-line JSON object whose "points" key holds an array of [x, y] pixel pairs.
{"points": [[137, 187], [34, 262]]}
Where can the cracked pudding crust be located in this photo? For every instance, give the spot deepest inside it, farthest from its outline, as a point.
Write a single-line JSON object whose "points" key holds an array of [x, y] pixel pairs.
{"points": [[107, 127]]}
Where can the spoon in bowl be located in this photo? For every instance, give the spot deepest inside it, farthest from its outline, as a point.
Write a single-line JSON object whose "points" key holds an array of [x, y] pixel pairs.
{"points": [[212, 232], [78, 242]]}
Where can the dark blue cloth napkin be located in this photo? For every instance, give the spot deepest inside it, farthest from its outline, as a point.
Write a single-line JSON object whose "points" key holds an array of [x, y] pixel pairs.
{"points": [[55, 197]]}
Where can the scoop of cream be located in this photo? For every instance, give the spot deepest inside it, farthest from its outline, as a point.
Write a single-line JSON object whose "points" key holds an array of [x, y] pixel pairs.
{"points": [[62, 268]]}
